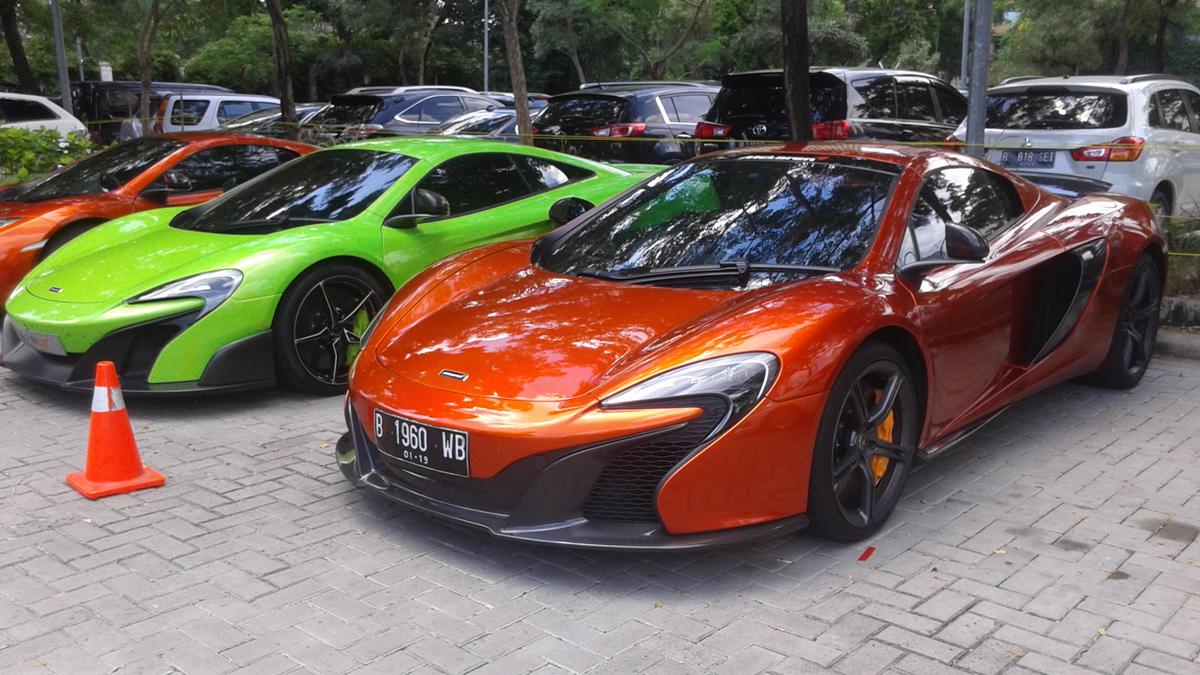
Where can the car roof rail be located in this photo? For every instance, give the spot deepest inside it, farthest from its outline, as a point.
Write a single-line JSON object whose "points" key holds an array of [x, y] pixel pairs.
{"points": [[641, 84], [1150, 77], [1018, 78]]}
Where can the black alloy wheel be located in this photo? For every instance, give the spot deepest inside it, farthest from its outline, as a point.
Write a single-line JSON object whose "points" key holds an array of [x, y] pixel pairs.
{"points": [[1136, 331], [866, 445]]}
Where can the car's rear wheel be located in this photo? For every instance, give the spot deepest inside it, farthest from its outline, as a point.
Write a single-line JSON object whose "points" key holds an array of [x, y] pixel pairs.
{"points": [[866, 444], [319, 324], [1136, 331], [1160, 203]]}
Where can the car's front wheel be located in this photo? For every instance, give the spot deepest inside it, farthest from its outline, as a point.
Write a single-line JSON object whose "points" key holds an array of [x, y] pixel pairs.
{"points": [[319, 326], [866, 444]]}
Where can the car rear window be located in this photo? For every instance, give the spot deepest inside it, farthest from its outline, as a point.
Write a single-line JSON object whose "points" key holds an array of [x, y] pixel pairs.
{"points": [[761, 98], [1055, 108], [583, 112], [346, 110]]}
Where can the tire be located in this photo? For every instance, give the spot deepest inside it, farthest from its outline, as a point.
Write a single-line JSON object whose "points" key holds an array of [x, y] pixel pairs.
{"points": [[313, 351], [65, 235], [871, 460], [1132, 344], [1160, 203]]}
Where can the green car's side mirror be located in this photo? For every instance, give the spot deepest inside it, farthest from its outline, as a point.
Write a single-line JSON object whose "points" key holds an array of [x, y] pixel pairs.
{"points": [[567, 209], [426, 205]]}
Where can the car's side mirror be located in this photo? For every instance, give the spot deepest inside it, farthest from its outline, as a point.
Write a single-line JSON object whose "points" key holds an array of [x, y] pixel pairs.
{"points": [[567, 209], [426, 205], [965, 244], [109, 182], [176, 181], [406, 221]]}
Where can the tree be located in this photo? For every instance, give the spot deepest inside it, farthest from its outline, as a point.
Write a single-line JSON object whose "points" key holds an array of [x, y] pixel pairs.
{"points": [[16, 46], [510, 11], [283, 68], [573, 28], [657, 30], [156, 12], [794, 15]]}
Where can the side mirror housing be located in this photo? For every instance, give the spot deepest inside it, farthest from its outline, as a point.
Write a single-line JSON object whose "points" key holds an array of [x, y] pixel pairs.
{"points": [[426, 205], [406, 221], [156, 195], [965, 244], [567, 209], [177, 182]]}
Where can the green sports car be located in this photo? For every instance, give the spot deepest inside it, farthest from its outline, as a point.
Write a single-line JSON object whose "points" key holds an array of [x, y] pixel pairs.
{"points": [[277, 279]]}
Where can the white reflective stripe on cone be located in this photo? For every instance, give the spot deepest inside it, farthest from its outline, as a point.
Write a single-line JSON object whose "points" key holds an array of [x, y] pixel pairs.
{"points": [[105, 399]]}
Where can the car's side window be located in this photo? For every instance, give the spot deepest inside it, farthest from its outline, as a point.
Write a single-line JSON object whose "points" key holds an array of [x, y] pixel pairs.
{"points": [[475, 103], [440, 108], [687, 108], [228, 110], [878, 97], [916, 103], [1171, 111], [974, 198], [253, 160], [210, 169], [926, 237], [21, 110], [1193, 100], [545, 174], [473, 182], [188, 111], [954, 109]]}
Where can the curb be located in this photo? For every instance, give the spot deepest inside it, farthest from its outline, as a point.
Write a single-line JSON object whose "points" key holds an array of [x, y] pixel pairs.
{"points": [[1178, 343]]}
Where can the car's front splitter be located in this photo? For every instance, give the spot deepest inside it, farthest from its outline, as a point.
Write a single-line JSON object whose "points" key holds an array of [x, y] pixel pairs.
{"points": [[242, 365], [537, 499]]}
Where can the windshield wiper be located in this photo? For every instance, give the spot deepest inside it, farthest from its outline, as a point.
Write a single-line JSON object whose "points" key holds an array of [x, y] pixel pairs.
{"points": [[739, 270]]}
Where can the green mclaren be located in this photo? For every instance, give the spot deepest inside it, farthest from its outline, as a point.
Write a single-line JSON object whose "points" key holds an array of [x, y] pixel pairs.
{"points": [[277, 280]]}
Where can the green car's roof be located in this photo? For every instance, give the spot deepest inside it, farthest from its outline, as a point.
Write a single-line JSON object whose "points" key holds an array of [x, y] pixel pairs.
{"points": [[440, 148]]}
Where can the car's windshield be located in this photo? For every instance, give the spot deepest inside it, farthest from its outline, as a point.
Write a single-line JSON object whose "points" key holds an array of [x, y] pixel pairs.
{"points": [[103, 171], [758, 209], [1055, 108], [325, 186]]}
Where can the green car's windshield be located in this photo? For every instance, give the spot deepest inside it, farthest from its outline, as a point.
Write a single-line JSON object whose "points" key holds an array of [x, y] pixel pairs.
{"points": [[757, 210], [103, 171], [325, 186]]}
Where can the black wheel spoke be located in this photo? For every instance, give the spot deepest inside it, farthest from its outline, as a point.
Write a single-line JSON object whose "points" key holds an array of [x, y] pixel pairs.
{"points": [[890, 450], [886, 401], [328, 304], [859, 404], [323, 333], [327, 332], [866, 504], [1138, 341]]}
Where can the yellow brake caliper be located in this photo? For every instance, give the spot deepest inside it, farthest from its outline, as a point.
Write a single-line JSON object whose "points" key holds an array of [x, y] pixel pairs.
{"points": [[879, 463]]}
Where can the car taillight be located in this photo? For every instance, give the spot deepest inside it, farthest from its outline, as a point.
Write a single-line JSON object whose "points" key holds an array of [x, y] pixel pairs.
{"points": [[831, 131], [617, 130], [717, 132], [1125, 149]]}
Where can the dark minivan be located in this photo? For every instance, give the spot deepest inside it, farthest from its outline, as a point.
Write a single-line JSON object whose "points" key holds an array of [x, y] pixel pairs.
{"points": [[404, 111], [847, 103], [103, 105], [635, 122]]}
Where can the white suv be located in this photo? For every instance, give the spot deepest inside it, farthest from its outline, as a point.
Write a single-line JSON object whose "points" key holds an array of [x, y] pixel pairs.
{"points": [[201, 112], [37, 112], [1139, 133]]}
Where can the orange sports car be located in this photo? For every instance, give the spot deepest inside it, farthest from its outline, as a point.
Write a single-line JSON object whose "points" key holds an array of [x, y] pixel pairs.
{"points": [[148, 173], [746, 344]]}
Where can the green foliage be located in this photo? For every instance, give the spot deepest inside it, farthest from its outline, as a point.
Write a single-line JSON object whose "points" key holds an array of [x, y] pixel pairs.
{"points": [[243, 57], [1051, 39], [29, 152]]}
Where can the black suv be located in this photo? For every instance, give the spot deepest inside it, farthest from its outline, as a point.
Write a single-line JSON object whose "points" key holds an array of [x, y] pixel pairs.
{"points": [[404, 111], [847, 103], [640, 122]]}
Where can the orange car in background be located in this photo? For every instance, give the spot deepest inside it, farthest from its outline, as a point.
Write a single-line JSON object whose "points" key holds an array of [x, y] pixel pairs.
{"points": [[746, 344], [147, 173]]}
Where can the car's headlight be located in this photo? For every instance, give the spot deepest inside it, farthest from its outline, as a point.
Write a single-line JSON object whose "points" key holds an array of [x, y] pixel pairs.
{"points": [[742, 379], [211, 287]]}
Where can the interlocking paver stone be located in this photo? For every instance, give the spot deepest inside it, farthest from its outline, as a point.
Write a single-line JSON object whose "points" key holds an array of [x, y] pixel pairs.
{"points": [[1062, 538]]}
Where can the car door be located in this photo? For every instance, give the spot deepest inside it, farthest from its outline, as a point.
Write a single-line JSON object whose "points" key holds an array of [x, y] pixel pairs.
{"points": [[917, 115], [872, 105], [1190, 155], [968, 312], [683, 112], [489, 201], [952, 107]]}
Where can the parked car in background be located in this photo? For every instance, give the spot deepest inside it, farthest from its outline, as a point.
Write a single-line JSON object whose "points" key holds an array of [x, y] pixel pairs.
{"points": [[1139, 133], [498, 123], [599, 120], [847, 103], [280, 278], [103, 106], [148, 173], [387, 89], [201, 112], [507, 98], [25, 111], [269, 121], [415, 110]]}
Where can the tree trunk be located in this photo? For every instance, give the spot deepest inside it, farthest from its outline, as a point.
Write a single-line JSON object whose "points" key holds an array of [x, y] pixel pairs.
{"points": [[1160, 34], [283, 66], [145, 57], [510, 11], [16, 47], [795, 67], [574, 56], [1123, 38]]}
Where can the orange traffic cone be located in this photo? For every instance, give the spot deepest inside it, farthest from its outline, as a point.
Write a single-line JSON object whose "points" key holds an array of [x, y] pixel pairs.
{"points": [[113, 464]]}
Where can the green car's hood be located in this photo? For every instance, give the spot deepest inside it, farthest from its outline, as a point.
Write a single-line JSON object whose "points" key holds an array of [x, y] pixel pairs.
{"points": [[136, 254]]}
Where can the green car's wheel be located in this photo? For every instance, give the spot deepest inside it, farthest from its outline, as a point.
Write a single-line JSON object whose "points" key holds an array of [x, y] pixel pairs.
{"points": [[319, 323]]}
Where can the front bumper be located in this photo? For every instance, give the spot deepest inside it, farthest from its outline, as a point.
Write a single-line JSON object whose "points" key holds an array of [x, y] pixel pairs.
{"points": [[244, 364], [545, 498]]}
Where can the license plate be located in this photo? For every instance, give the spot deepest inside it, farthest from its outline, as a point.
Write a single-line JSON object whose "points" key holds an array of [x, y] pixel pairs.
{"points": [[436, 448], [1027, 159], [43, 342]]}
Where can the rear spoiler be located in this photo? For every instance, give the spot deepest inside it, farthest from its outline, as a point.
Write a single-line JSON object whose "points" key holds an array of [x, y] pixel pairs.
{"points": [[1065, 185]]}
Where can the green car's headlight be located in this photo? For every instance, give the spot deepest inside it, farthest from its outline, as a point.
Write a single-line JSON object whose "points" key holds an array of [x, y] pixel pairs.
{"points": [[742, 379], [211, 287]]}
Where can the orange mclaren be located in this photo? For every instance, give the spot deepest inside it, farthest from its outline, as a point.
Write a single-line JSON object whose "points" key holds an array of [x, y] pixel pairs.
{"points": [[148, 173], [746, 344]]}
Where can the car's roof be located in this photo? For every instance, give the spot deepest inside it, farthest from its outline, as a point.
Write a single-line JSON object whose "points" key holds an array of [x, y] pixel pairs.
{"points": [[223, 96], [23, 97], [1122, 82], [848, 70], [223, 136], [635, 90]]}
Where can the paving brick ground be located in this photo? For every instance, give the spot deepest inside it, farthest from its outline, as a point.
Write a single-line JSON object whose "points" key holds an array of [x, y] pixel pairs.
{"points": [[1061, 539]]}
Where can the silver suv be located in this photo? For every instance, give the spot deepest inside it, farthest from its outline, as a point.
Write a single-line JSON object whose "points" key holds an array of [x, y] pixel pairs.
{"points": [[1139, 133]]}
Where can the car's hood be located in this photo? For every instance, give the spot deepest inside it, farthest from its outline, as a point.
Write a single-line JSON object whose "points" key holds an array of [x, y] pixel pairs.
{"points": [[124, 258], [534, 335]]}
